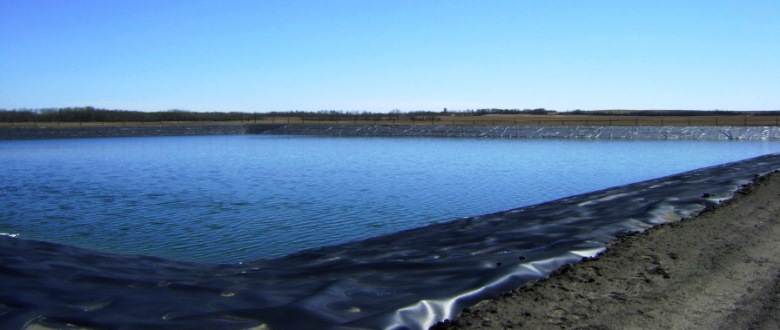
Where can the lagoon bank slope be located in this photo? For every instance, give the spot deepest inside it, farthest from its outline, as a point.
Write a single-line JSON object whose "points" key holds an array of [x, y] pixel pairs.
{"points": [[718, 270]]}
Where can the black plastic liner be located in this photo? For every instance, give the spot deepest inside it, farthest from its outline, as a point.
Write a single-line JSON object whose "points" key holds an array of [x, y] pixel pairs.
{"points": [[411, 279]]}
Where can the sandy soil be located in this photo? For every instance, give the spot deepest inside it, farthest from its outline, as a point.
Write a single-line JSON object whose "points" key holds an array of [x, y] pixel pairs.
{"points": [[719, 270]]}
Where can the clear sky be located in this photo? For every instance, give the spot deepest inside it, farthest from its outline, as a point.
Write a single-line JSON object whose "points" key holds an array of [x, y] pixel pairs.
{"points": [[376, 55]]}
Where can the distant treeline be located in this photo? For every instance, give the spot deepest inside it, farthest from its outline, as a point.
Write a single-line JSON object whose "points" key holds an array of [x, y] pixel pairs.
{"points": [[494, 111], [397, 114], [91, 114]]}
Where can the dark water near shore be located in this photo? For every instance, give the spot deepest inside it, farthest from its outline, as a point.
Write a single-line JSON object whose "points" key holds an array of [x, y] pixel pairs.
{"points": [[238, 198]]}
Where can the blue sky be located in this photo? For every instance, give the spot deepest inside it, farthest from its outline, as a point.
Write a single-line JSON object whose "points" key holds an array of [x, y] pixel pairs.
{"points": [[375, 55]]}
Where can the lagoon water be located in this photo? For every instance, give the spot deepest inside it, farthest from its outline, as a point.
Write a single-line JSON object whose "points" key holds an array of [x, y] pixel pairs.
{"points": [[229, 199]]}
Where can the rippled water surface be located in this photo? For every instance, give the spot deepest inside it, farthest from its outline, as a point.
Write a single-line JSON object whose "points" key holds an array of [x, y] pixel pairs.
{"points": [[237, 198]]}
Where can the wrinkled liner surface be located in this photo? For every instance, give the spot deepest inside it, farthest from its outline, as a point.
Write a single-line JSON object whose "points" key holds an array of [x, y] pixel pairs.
{"points": [[409, 279]]}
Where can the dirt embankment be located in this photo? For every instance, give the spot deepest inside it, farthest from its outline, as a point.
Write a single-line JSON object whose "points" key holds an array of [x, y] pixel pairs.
{"points": [[719, 270]]}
